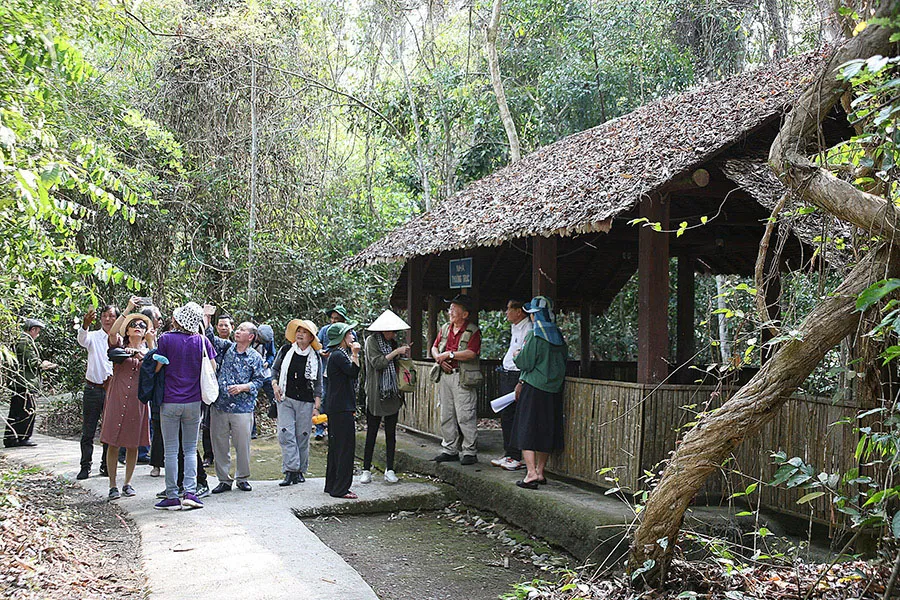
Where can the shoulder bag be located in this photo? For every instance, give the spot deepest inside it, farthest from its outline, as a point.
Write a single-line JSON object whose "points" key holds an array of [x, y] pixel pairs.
{"points": [[209, 385]]}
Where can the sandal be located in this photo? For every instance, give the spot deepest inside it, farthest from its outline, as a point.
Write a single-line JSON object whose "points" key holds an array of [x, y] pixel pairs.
{"points": [[350, 496]]}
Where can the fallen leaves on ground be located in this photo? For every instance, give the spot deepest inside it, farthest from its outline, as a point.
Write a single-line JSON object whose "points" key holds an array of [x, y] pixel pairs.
{"points": [[57, 542]]}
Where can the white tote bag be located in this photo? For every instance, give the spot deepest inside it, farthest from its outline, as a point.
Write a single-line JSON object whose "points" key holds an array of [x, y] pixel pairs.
{"points": [[209, 385]]}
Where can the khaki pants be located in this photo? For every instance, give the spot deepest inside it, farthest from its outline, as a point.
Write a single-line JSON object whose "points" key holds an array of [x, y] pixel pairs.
{"points": [[225, 429], [458, 414]]}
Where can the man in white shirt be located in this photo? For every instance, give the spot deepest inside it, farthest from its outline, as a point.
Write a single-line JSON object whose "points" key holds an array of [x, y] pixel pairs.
{"points": [[99, 369], [509, 377]]}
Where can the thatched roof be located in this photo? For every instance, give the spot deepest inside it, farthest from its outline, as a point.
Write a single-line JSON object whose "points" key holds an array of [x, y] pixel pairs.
{"points": [[577, 184], [754, 176]]}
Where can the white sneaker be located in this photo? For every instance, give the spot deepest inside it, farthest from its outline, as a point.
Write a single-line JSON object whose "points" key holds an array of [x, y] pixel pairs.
{"points": [[390, 477], [513, 464], [500, 461], [366, 477]]}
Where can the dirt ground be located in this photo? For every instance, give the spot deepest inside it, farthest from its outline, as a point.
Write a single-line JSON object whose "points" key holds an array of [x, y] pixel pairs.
{"points": [[436, 555], [60, 542]]}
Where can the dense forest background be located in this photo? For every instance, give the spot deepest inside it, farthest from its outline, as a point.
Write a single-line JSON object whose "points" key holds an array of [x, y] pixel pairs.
{"points": [[237, 152]]}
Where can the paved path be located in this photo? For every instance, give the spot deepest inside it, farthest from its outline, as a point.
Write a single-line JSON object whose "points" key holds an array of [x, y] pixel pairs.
{"points": [[240, 545]]}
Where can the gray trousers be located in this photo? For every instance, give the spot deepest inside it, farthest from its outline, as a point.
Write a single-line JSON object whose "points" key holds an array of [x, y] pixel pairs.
{"points": [[294, 425], [459, 413], [226, 429]]}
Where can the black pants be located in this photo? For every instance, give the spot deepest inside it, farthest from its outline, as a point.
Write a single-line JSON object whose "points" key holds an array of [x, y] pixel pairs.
{"points": [[341, 450], [206, 439], [508, 381], [390, 439], [92, 400], [157, 452], [20, 422]]}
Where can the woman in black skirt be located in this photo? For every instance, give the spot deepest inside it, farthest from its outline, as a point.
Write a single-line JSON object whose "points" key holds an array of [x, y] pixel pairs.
{"points": [[538, 425], [343, 370]]}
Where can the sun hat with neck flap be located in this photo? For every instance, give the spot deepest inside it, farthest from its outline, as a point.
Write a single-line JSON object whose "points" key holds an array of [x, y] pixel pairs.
{"points": [[290, 332], [337, 331]]}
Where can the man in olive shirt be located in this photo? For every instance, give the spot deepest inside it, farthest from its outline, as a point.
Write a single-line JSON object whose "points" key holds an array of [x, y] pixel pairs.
{"points": [[26, 381]]}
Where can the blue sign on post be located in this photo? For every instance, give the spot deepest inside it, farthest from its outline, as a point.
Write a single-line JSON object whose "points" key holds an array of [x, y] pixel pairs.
{"points": [[461, 273]]}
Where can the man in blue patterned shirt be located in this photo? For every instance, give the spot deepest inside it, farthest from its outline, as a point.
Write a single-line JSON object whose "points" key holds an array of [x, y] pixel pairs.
{"points": [[241, 374]]}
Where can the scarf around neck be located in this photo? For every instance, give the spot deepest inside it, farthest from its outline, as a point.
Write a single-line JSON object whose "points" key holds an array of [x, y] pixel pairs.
{"points": [[311, 372], [387, 384]]}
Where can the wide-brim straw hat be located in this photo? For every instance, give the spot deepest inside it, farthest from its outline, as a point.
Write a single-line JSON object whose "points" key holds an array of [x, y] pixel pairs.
{"points": [[290, 332], [129, 319], [337, 332], [189, 316], [388, 321]]}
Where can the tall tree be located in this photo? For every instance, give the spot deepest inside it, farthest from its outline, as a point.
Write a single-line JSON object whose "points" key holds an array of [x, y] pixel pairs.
{"points": [[497, 82]]}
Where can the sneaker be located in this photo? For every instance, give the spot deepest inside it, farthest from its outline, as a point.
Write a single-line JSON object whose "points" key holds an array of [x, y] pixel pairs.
{"points": [[499, 461], [513, 465], [444, 457], [104, 472], [468, 459], [84, 473], [168, 504], [113, 494], [191, 500], [202, 490], [366, 477], [390, 477], [162, 495], [127, 490], [154, 472]]}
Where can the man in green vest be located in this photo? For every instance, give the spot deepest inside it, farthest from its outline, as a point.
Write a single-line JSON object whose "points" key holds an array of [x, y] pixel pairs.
{"points": [[456, 351], [26, 380]]}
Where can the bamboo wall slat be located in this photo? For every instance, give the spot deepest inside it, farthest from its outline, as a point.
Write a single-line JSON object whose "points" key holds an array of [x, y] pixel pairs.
{"points": [[632, 427]]}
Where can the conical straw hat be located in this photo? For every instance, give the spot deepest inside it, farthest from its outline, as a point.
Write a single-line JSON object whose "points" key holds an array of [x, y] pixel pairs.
{"points": [[388, 321]]}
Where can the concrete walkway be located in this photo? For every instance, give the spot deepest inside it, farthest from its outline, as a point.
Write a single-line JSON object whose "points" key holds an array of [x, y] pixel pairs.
{"points": [[240, 545]]}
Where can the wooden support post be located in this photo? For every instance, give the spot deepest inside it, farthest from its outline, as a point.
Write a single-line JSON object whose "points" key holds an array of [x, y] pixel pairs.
{"points": [[585, 334], [543, 267], [653, 292], [685, 346], [433, 313], [414, 300]]}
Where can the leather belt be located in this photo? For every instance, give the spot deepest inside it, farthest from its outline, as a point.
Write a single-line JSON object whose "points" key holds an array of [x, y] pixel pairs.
{"points": [[93, 385]]}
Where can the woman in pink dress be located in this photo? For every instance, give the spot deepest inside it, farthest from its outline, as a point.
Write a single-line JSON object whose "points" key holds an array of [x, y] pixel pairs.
{"points": [[125, 418]]}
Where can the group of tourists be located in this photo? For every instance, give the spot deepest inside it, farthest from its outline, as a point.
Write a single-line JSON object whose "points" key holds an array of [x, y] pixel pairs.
{"points": [[169, 377]]}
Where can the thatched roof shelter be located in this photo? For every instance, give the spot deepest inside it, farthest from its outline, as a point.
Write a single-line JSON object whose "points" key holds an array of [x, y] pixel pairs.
{"points": [[580, 183], [560, 221]]}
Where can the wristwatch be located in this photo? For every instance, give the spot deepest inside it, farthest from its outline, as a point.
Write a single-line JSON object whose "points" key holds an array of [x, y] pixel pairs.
{"points": [[452, 354]]}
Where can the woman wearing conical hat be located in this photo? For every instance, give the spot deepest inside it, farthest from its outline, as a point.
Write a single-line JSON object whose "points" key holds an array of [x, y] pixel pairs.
{"points": [[383, 396]]}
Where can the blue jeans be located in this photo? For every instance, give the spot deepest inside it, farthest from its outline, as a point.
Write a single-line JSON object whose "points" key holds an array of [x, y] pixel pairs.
{"points": [[185, 417]]}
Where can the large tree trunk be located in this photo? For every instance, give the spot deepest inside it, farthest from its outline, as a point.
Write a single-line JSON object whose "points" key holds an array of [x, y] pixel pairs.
{"points": [[705, 447], [494, 65]]}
